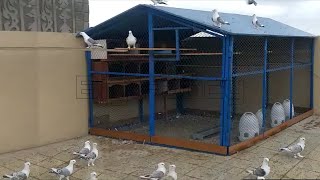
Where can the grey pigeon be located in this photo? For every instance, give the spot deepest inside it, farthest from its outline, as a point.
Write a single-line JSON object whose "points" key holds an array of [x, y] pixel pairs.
{"points": [[156, 2], [157, 174], [64, 172], [89, 41], [217, 20], [255, 22], [172, 174], [85, 150], [295, 149], [21, 175], [262, 171], [92, 156], [252, 2]]}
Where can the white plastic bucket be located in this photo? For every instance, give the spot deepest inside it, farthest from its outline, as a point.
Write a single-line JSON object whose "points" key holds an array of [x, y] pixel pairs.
{"points": [[286, 105], [248, 126], [277, 114]]}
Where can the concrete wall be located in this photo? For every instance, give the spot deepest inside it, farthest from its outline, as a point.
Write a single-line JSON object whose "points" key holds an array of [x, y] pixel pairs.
{"points": [[44, 15], [38, 99], [316, 89]]}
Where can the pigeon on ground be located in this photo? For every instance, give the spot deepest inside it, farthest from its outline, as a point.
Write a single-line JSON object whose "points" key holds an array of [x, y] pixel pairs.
{"points": [[92, 156], [131, 40], [85, 150], [295, 149], [93, 176], [252, 2], [217, 20], [262, 171], [64, 172], [156, 2], [172, 174], [21, 175], [89, 41], [157, 174], [255, 22]]}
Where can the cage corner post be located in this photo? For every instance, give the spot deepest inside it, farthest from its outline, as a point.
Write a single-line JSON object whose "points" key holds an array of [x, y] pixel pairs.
{"points": [[291, 76], [90, 87], [264, 85], [151, 77], [179, 96], [311, 73]]}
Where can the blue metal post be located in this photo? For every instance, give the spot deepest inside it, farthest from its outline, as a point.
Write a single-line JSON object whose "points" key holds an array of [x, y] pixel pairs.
{"points": [[229, 89], [311, 74], [151, 78], [222, 89], [264, 85], [291, 75], [89, 68], [179, 96]]}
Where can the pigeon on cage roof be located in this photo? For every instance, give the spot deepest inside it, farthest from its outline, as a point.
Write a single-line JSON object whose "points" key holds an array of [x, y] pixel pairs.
{"points": [[92, 156], [131, 40], [172, 174], [64, 172], [255, 21], [85, 150], [159, 173], [217, 20], [252, 2], [156, 2], [21, 175], [296, 148], [262, 171], [89, 41]]}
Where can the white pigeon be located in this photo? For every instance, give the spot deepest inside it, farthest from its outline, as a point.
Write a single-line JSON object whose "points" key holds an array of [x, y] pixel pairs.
{"points": [[131, 40], [157, 174], [255, 22], [172, 174], [156, 2], [89, 41], [252, 2], [262, 171], [85, 150], [21, 175], [295, 149], [217, 20], [64, 172], [93, 176], [92, 156]]}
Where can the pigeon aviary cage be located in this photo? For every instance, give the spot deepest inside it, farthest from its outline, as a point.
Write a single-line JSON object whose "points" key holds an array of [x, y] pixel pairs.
{"points": [[191, 84]]}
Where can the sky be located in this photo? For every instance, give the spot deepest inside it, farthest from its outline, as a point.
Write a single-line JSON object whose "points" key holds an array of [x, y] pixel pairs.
{"points": [[302, 14]]}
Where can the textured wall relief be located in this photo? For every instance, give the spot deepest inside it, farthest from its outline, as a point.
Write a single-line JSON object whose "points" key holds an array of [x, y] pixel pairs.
{"points": [[11, 15], [64, 14], [32, 15], [47, 16]]}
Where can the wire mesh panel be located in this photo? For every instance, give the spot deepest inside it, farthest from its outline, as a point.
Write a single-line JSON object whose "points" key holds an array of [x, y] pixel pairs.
{"points": [[302, 51], [279, 53], [246, 108], [301, 89]]}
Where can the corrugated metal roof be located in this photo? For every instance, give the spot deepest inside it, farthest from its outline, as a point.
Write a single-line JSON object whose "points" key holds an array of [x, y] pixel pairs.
{"points": [[239, 24]]}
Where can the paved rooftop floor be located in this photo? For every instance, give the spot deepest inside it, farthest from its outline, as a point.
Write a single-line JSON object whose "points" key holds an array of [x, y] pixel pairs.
{"points": [[118, 160]]}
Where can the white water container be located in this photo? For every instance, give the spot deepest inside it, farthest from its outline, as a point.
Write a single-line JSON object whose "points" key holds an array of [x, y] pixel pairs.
{"points": [[248, 126], [277, 114], [259, 115], [286, 105]]}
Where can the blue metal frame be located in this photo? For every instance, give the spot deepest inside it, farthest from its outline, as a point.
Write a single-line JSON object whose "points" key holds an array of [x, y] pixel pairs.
{"points": [[291, 76], [89, 67], [151, 78], [264, 85], [222, 89], [311, 74], [170, 28]]}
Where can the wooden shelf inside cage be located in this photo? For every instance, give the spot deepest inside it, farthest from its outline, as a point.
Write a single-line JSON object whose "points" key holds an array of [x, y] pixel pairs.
{"points": [[157, 49]]}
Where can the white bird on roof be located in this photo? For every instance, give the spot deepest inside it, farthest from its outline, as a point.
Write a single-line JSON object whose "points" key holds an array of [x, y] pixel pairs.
{"points": [[295, 149], [21, 175], [262, 171], [255, 22], [217, 20], [89, 41], [131, 40], [156, 2], [252, 2], [157, 174]]}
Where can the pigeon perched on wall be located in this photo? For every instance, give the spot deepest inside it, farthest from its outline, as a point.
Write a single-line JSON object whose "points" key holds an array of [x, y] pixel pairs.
{"points": [[93, 176], [156, 2], [252, 2], [64, 172], [295, 149], [157, 174], [131, 40], [262, 171], [21, 175], [172, 174], [89, 41], [217, 20], [92, 156], [85, 150], [255, 22]]}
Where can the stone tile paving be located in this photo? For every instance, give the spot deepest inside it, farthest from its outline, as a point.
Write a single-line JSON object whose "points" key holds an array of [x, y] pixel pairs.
{"points": [[119, 161]]}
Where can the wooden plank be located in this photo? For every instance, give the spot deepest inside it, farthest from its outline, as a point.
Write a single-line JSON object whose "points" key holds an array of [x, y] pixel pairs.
{"points": [[157, 49], [145, 55], [246, 144], [194, 145], [120, 134], [62, 48]]}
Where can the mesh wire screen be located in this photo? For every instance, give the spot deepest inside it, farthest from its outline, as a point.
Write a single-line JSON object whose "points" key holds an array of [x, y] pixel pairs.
{"points": [[301, 89], [279, 53]]}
